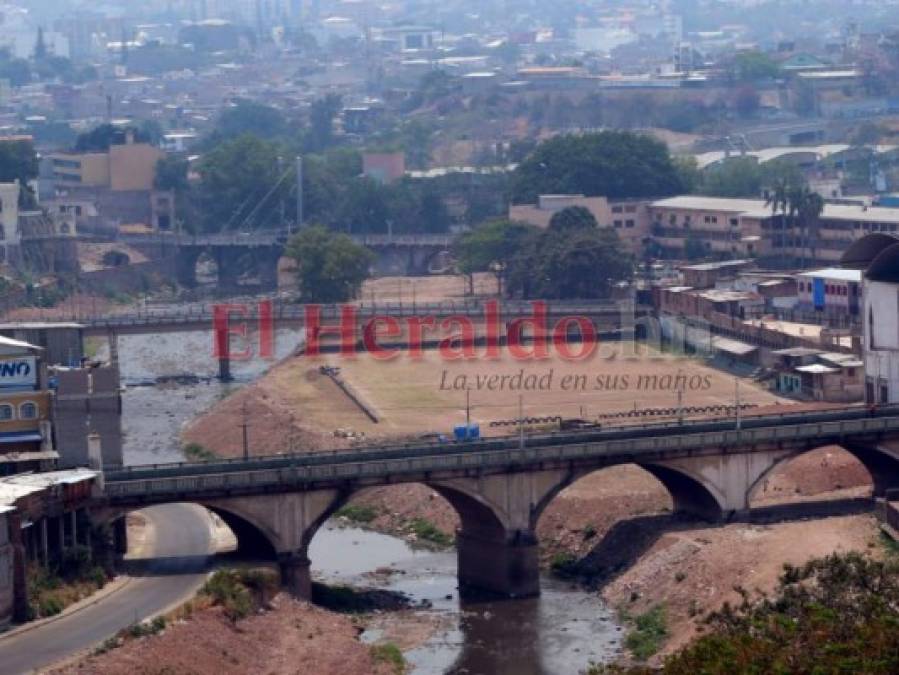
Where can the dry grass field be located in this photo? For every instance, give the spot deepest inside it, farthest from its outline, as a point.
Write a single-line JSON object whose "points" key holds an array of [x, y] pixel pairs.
{"points": [[429, 394]]}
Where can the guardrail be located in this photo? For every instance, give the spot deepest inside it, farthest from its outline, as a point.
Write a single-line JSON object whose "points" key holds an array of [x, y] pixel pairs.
{"points": [[291, 312], [626, 450], [432, 447], [279, 239]]}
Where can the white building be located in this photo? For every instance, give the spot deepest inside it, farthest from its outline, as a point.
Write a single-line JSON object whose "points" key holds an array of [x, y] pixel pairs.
{"points": [[877, 255]]}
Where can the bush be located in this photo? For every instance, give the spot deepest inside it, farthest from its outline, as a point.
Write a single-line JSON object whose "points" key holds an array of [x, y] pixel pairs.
{"points": [[240, 592], [426, 531], [147, 628], [649, 633], [227, 591], [194, 452], [563, 565], [358, 513], [389, 653], [839, 614], [50, 606]]}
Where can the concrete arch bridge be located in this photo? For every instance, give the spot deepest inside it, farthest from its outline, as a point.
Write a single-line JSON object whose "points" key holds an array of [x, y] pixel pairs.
{"points": [[500, 487]]}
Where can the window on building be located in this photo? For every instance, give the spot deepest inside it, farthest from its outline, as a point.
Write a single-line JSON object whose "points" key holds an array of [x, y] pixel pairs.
{"points": [[628, 223], [617, 223], [617, 209], [6, 412], [28, 411], [884, 392]]}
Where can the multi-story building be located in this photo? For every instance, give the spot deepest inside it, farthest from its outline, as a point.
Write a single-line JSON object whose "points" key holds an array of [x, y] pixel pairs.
{"points": [[629, 218], [710, 227], [877, 256], [833, 291], [26, 431], [721, 227], [123, 168], [103, 190]]}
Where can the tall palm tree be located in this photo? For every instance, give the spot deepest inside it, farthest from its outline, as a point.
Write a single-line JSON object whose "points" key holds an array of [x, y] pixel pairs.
{"points": [[779, 201], [809, 206]]}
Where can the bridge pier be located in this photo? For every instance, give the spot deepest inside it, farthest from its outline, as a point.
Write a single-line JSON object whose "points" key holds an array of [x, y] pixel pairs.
{"points": [[296, 578], [508, 568]]}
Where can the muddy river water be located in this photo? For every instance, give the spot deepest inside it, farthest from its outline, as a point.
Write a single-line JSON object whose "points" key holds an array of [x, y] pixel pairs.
{"points": [[559, 633]]}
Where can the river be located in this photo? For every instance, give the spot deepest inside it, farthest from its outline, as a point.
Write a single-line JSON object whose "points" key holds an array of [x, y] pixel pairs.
{"points": [[559, 633]]}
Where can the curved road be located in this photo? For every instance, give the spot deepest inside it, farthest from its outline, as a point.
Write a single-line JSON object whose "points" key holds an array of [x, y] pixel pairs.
{"points": [[174, 571]]}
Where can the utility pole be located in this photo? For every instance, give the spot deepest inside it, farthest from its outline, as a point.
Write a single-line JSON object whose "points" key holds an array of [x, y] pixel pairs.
{"points": [[680, 406], [467, 410], [244, 427], [521, 421], [283, 208], [737, 403], [301, 216]]}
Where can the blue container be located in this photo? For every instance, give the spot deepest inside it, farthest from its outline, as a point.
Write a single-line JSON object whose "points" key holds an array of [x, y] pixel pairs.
{"points": [[460, 432], [474, 432]]}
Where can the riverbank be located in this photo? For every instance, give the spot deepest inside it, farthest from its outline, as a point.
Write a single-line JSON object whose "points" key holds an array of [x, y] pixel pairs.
{"points": [[686, 574], [288, 638]]}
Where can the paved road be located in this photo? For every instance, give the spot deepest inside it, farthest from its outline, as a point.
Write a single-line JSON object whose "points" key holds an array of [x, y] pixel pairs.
{"points": [[180, 556]]}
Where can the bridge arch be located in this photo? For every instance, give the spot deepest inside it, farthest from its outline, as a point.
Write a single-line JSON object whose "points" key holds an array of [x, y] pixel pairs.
{"points": [[689, 493], [252, 534], [880, 462], [253, 538]]}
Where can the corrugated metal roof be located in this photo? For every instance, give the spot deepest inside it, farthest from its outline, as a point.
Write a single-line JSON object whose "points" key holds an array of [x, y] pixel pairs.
{"points": [[48, 478], [731, 346], [834, 274], [18, 344], [817, 369]]}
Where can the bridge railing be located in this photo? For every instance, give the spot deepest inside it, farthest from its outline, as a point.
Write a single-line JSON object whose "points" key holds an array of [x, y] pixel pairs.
{"points": [[331, 313], [626, 450], [428, 448]]}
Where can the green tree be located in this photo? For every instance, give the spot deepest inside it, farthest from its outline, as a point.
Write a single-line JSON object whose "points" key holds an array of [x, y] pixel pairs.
{"points": [[572, 219], [241, 186], [808, 207], [495, 246], [568, 264], [833, 615], [364, 208], [18, 162], [100, 138], [331, 267], [753, 65], [733, 177], [251, 117], [322, 113], [172, 174], [614, 164]]}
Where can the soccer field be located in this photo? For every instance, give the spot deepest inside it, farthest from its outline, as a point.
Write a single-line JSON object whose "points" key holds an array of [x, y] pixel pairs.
{"points": [[413, 396]]}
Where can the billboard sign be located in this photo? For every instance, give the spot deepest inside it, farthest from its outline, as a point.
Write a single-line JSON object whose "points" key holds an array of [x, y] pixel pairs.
{"points": [[19, 372]]}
